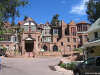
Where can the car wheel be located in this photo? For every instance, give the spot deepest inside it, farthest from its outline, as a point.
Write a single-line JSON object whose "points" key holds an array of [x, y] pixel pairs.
{"points": [[77, 73]]}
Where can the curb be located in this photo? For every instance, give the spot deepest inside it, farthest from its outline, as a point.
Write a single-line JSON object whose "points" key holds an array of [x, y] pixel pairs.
{"points": [[64, 71]]}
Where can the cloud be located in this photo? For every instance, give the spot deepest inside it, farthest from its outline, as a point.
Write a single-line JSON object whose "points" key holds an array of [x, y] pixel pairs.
{"points": [[63, 2], [76, 19], [79, 8]]}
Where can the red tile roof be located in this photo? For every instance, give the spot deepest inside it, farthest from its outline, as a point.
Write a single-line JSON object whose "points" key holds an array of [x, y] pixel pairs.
{"points": [[20, 22], [82, 22]]}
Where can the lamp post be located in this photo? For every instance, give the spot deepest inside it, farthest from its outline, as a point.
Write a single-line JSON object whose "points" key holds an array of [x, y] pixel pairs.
{"points": [[64, 48]]}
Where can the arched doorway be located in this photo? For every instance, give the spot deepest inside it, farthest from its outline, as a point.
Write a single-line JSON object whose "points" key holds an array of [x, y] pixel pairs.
{"points": [[45, 48], [55, 48]]}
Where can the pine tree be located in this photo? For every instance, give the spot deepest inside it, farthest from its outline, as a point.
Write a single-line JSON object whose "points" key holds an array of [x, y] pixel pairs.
{"points": [[93, 10], [55, 20], [25, 17]]}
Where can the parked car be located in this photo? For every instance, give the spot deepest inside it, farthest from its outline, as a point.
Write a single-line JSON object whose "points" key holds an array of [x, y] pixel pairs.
{"points": [[91, 66], [2, 52]]}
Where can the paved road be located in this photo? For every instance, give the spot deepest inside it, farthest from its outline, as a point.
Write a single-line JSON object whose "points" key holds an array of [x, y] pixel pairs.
{"points": [[29, 66]]}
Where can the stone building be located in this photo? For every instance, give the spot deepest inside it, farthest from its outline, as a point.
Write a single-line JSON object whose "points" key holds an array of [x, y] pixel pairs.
{"points": [[9, 39], [37, 38]]}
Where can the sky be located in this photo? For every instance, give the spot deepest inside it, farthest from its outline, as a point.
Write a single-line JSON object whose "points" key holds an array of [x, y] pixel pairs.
{"points": [[42, 11]]}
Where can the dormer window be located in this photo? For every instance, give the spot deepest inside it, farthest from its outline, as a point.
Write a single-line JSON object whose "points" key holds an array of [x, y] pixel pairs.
{"points": [[96, 34]]}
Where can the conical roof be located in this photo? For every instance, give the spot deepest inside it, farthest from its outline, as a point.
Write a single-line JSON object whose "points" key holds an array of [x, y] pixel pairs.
{"points": [[94, 26]]}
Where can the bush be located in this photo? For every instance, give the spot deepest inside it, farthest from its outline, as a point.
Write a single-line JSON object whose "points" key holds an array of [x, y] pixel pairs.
{"points": [[70, 66], [76, 49], [63, 65]]}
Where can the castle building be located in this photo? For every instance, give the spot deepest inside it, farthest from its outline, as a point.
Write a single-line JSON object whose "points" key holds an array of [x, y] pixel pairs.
{"points": [[35, 38]]}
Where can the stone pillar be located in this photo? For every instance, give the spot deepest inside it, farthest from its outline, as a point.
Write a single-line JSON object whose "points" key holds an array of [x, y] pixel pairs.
{"points": [[23, 47], [34, 51]]}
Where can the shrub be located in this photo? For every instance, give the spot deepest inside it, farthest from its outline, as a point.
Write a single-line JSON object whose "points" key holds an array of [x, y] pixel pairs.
{"points": [[70, 66], [63, 65], [76, 49], [59, 50]]}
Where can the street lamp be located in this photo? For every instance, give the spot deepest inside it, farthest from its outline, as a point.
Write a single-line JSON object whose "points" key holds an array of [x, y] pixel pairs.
{"points": [[64, 48]]}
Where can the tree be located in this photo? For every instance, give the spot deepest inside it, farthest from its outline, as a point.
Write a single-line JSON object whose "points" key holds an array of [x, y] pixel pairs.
{"points": [[25, 17], [12, 23], [55, 21], [10, 8], [93, 10]]}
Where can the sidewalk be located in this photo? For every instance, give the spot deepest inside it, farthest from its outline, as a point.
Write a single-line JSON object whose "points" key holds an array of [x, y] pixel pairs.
{"points": [[62, 70]]}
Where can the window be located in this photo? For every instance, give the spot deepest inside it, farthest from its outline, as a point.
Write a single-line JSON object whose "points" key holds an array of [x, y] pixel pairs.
{"points": [[45, 48], [68, 48], [55, 48], [68, 39], [55, 31], [84, 27], [61, 43], [89, 62], [80, 39], [98, 61], [73, 31], [44, 40], [85, 36], [74, 39], [74, 47], [96, 34], [29, 28], [45, 31], [49, 31]]}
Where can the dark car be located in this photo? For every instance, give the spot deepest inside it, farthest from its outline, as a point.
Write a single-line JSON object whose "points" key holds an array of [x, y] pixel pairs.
{"points": [[2, 52], [90, 66]]}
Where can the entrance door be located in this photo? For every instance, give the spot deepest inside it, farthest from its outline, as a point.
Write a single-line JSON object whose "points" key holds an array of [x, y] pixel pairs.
{"points": [[29, 45]]}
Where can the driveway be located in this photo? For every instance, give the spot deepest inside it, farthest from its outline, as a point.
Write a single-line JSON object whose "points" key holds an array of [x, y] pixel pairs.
{"points": [[29, 66]]}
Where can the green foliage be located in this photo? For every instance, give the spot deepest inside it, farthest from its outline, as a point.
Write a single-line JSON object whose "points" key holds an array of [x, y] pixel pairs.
{"points": [[55, 21], [13, 22], [59, 50], [10, 8], [93, 10], [1, 32], [71, 66], [1, 39], [25, 17], [76, 49], [4, 48], [62, 65]]}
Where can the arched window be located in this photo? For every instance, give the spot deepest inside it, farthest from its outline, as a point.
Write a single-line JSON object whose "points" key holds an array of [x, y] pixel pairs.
{"points": [[55, 48], [45, 48]]}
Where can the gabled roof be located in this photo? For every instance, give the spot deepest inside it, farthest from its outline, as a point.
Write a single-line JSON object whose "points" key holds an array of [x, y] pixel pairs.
{"points": [[95, 26], [47, 23], [29, 38], [30, 19], [82, 22], [72, 23]]}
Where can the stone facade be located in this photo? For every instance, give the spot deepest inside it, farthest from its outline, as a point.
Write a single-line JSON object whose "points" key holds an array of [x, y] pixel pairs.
{"points": [[48, 38], [36, 38]]}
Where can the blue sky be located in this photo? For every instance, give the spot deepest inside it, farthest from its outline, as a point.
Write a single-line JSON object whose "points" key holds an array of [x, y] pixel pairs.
{"points": [[43, 10]]}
